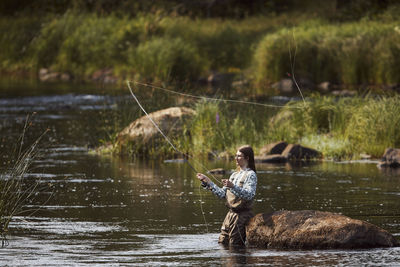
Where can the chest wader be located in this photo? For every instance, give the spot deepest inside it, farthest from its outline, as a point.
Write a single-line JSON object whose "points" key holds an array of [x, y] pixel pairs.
{"points": [[233, 230]]}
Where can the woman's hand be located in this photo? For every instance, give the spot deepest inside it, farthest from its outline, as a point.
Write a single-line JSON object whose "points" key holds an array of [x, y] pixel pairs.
{"points": [[203, 178], [227, 183]]}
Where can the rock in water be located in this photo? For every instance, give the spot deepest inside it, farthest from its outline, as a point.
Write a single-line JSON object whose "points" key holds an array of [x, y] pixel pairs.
{"points": [[391, 158], [298, 152], [143, 133], [273, 148], [309, 229]]}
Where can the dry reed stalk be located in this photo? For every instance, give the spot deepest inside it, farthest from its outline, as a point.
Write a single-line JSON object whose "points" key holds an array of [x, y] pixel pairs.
{"points": [[14, 191]]}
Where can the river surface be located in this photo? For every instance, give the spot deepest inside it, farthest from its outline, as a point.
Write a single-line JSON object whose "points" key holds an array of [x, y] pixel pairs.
{"points": [[92, 210]]}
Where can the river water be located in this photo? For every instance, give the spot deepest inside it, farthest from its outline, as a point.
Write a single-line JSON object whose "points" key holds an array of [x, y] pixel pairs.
{"points": [[93, 210]]}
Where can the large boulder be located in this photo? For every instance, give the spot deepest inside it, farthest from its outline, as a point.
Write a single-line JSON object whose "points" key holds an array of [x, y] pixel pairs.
{"points": [[143, 133], [273, 148], [298, 152], [391, 158], [307, 229]]}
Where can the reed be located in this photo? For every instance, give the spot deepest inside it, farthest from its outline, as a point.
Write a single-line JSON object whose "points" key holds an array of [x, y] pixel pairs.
{"points": [[15, 190]]}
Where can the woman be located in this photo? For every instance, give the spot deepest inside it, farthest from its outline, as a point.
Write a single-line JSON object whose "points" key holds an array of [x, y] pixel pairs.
{"points": [[239, 192]]}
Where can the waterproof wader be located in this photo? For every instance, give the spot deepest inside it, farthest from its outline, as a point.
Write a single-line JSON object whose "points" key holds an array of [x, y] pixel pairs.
{"points": [[233, 230]]}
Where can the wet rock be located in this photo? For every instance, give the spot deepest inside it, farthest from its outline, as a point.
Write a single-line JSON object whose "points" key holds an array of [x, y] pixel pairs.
{"points": [[325, 86], [65, 77], [305, 84], [298, 152], [307, 229], [43, 72], [142, 133], [391, 158], [274, 158], [284, 86], [221, 79], [47, 75], [345, 93], [240, 84], [104, 76], [287, 85], [273, 148]]}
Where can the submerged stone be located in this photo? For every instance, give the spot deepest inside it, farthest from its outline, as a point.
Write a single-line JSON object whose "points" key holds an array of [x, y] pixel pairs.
{"points": [[308, 229]]}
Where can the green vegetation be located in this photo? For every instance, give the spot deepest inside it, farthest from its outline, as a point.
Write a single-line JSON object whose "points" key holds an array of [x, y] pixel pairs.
{"points": [[365, 52], [351, 43], [163, 46], [217, 128], [340, 128], [15, 190]]}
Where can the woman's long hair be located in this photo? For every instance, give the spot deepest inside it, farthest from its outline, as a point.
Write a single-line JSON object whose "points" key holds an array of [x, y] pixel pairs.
{"points": [[249, 155]]}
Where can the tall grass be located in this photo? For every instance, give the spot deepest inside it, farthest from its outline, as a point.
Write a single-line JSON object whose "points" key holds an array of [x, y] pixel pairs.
{"points": [[364, 52], [174, 48], [339, 127], [166, 59], [81, 43], [16, 40], [375, 125], [219, 127], [15, 191], [342, 128]]}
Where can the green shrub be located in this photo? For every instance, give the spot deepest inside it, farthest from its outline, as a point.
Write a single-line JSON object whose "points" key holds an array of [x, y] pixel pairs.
{"points": [[166, 59], [364, 52], [343, 127], [47, 46], [374, 126], [15, 40], [218, 126]]}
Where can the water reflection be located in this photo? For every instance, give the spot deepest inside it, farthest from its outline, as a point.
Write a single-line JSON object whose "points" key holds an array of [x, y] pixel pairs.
{"points": [[110, 211]]}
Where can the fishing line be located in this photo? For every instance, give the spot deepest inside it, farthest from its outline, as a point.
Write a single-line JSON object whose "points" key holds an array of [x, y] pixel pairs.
{"points": [[292, 63], [174, 147], [165, 137], [213, 99]]}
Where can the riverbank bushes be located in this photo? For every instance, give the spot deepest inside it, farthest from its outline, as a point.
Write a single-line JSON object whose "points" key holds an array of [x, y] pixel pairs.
{"points": [[159, 47], [365, 52], [340, 128]]}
